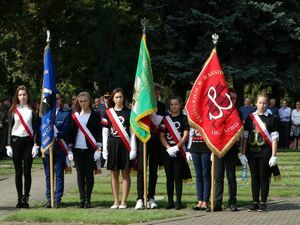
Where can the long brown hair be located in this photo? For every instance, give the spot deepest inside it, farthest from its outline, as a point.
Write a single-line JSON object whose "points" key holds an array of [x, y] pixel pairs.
{"points": [[15, 100], [111, 98], [77, 107]]}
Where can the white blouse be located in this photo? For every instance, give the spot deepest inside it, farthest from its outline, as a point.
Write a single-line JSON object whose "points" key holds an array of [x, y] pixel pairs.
{"points": [[18, 128], [80, 138]]}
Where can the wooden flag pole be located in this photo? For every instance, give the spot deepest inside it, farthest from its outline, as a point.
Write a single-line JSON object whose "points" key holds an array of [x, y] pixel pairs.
{"points": [[215, 38], [144, 23], [51, 152], [51, 175], [212, 189], [145, 173]]}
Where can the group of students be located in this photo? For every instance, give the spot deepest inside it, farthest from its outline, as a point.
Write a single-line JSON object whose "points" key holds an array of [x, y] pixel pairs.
{"points": [[89, 136]]}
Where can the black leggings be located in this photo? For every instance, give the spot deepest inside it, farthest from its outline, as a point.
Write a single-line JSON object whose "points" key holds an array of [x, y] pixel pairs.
{"points": [[173, 173], [84, 162], [22, 158], [260, 174]]}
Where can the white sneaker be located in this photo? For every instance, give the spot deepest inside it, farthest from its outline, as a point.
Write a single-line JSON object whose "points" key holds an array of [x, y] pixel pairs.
{"points": [[114, 207], [151, 204], [139, 204], [122, 206]]}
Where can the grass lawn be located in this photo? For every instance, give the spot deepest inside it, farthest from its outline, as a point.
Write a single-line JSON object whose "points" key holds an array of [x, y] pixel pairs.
{"points": [[7, 166], [289, 186]]}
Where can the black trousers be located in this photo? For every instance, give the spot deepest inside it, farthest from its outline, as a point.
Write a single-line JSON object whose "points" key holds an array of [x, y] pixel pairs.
{"points": [[173, 171], [22, 158], [84, 162], [153, 152], [228, 163], [260, 173]]}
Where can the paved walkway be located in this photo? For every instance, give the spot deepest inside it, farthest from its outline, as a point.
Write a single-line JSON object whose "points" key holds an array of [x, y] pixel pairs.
{"points": [[8, 197], [282, 211]]}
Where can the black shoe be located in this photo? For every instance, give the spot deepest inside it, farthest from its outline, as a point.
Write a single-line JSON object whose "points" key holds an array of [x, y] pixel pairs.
{"points": [[19, 204], [262, 207], [57, 205], [233, 208], [87, 204], [25, 203], [178, 206], [81, 204], [196, 208], [253, 207], [48, 205], [170, 205], [216, 209]]}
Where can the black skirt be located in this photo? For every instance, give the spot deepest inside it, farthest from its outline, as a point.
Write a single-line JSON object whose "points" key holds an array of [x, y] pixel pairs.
{"points": [[118, 155]]}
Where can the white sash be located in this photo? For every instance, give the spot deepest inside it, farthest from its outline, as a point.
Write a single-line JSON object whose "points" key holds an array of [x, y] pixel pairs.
{"points": [[61, 142], [174, 134], [119, 127], [261, 127]]}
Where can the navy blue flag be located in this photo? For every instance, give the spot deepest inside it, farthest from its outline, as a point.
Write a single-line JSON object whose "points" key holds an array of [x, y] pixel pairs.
{"points": [[48, 103]]}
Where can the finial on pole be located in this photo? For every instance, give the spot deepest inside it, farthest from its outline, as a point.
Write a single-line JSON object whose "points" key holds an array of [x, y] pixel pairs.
{"points": [[48, 37], [144, 25], [215, 38]]}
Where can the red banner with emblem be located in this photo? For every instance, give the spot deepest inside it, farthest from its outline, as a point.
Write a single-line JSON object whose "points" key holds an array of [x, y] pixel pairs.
{"points": [[211, 110]]}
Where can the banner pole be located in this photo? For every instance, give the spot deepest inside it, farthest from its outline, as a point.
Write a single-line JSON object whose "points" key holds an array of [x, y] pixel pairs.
{"points": [[51, 176], [212, 189], [145, 173]]}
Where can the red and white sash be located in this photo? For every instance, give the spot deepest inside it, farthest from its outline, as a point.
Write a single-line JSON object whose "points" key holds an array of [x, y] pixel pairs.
{"points": [[61, 142], [85, 131], [155, 121], [174, 134], [27, 127], [261, 128], [119, 127]]}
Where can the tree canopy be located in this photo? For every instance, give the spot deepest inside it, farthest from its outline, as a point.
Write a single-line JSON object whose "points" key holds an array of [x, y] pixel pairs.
{"points": [[95, 43]]}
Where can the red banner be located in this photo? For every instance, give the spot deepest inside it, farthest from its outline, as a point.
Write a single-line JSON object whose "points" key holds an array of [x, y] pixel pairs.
{"points": [[211, 110]]}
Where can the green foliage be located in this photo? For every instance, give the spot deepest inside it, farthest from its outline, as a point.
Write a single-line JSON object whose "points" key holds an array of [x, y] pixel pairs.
{"points": [[97, 42]]}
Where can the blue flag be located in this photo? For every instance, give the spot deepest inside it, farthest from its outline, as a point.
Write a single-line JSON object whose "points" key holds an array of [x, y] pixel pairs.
{"points": [[48, 103]]}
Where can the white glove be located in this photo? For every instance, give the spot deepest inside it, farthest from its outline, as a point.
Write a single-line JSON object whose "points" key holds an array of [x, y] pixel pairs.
{"points": [[243, 160], [273, 161], [211, 157], [70, 156], [172, 151], [188, 156], [9, 151], [97, 155], [104, 155], [132, 154], [35, 151]]}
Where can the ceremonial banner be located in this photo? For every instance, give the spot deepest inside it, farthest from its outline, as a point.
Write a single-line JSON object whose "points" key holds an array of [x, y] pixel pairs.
{"points": [[210, 108], [143, 102], [48, 102]]}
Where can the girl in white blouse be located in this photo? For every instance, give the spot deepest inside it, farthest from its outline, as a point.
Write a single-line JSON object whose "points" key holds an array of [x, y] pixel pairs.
{"points": [[22, 142]]}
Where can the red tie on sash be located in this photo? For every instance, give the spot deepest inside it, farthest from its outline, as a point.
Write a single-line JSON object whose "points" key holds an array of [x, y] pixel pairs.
{"points": [[261, 128], [174, 134], [119, 127], [28, 130], [85, 131]]}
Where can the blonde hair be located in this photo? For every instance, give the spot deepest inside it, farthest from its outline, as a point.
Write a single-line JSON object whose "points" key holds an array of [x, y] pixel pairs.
{"points": [[264, 95], [81, 94]]}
